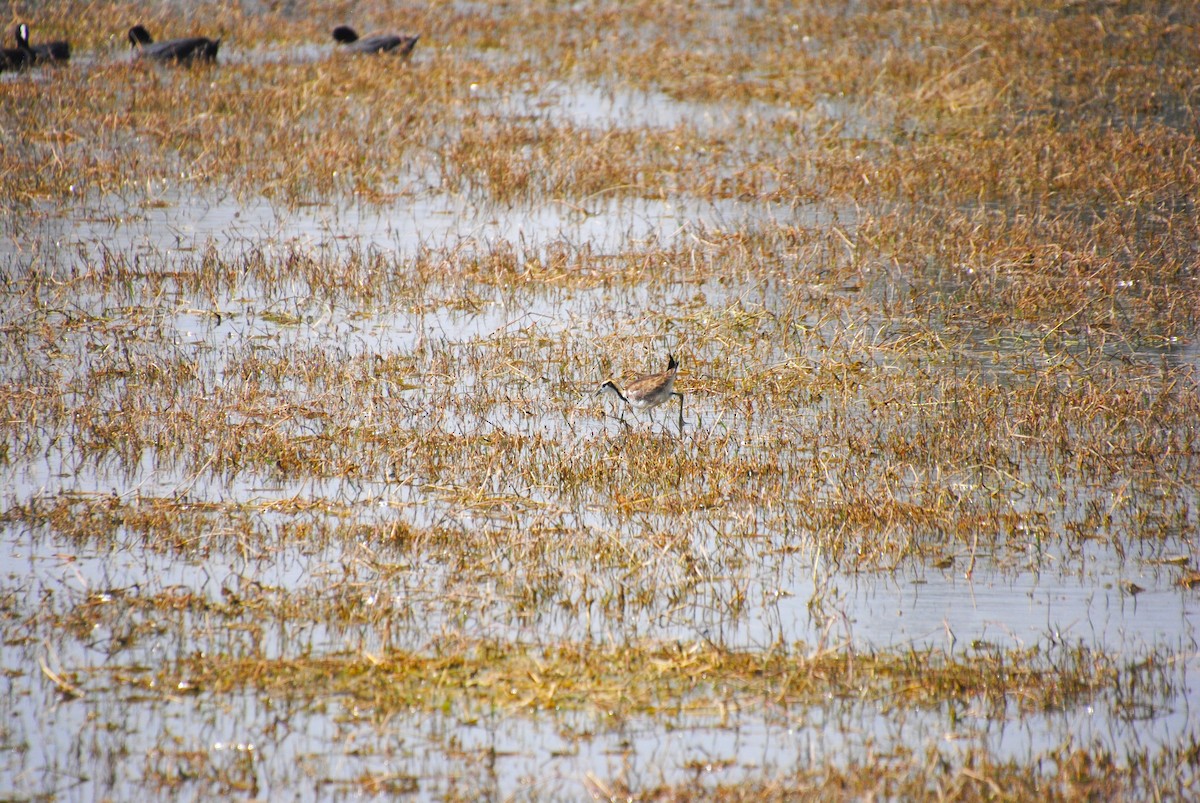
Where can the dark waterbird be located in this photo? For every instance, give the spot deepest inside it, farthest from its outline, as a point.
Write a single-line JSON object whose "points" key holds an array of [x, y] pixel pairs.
{"points": [[377, 43], [184, 51], [45, 52], [16, 58]]}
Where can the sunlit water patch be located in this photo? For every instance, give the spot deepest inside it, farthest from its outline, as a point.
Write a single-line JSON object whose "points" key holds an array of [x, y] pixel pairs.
{"points": [[173, 222], [593, 106]]}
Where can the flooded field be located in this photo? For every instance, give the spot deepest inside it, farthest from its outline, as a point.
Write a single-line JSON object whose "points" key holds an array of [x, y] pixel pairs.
{"points": [[307, 490]]}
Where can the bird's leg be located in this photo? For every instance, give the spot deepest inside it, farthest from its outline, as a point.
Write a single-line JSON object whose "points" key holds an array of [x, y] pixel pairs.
{"points": [[621, 417]]}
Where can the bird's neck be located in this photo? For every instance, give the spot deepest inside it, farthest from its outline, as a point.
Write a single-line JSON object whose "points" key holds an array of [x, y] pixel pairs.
{"points": [[615, 391]]}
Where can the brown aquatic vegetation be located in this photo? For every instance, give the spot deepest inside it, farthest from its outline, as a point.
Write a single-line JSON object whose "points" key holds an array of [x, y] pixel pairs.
{"points": [[637, 679], [957, 331]]}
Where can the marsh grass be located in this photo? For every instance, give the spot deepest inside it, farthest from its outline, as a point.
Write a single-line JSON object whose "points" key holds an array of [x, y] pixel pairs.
{"points": [[953, 334], [640, 680]]}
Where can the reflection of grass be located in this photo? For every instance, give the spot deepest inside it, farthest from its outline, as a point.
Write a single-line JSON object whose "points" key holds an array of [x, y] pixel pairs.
{"points": [[973, 365]]}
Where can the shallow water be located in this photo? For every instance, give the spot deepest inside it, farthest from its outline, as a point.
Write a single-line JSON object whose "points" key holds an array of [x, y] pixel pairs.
{"points": [[174, 222], [506, 755], [1061, 597]]}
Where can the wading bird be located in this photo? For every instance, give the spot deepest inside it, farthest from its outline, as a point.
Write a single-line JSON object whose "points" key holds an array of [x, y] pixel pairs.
{"points": [[377, 43], [183, 51], [649, 391]]}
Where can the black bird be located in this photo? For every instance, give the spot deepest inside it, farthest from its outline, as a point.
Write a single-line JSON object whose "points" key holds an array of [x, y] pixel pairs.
{"points": [[378, 43], [183, 51], [16, 58], [45, 52]]}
